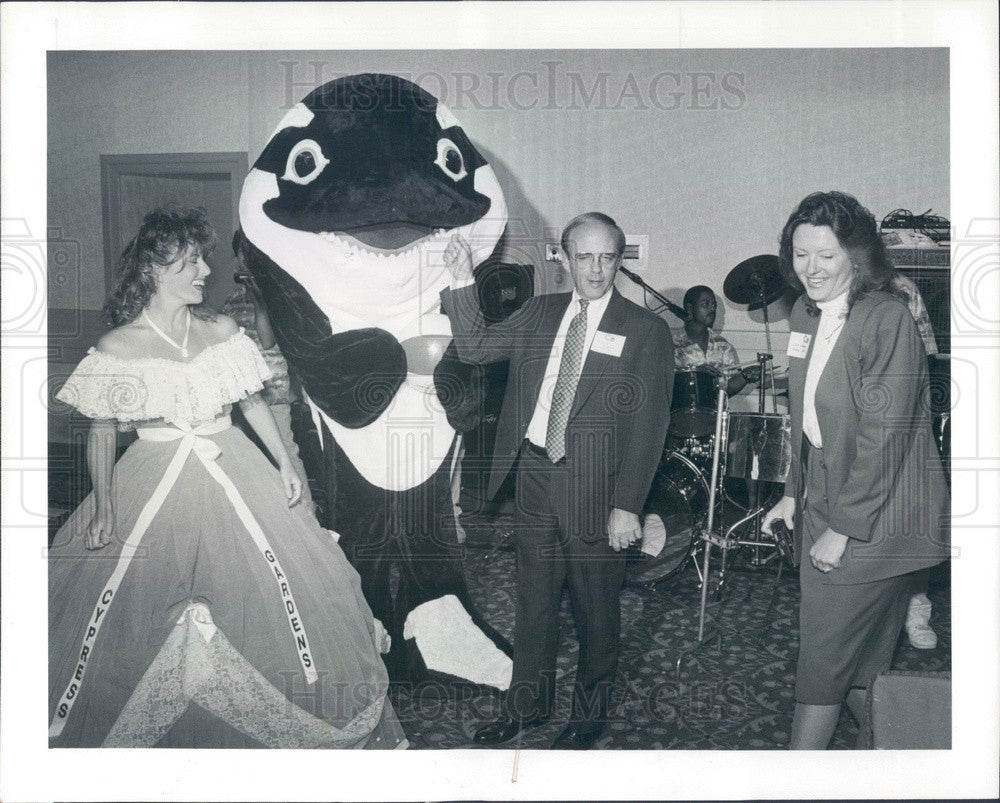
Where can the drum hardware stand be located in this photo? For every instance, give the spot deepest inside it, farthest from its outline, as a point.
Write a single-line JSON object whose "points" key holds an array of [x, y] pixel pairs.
{"points": [[757, 282], [755, 516], [708, 535], [765, 367], [783, 548], [765, 361], [767, 364]]}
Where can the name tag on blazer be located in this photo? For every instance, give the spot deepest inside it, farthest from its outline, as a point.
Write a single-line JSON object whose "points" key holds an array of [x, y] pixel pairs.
{"points": [[607, 343], [798, 344]]}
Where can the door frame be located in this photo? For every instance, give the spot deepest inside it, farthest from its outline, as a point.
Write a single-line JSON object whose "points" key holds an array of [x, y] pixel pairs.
{"points": [[231, 165]]}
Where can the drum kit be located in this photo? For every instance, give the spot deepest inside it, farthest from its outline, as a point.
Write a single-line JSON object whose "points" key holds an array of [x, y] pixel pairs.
{"points": [[720, 470]]}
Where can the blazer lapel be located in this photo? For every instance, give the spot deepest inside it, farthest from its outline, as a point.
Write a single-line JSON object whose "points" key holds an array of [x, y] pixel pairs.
{"points": [[595, 363], [797, 380]]}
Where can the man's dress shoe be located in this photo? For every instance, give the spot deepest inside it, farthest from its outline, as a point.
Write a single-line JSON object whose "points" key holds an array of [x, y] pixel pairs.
{"points": [[504, 729], [578, 737]]}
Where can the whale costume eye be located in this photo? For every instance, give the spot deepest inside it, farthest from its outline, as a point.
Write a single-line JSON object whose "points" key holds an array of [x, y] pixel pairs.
{"points": [[305, 162], [450, 160]]}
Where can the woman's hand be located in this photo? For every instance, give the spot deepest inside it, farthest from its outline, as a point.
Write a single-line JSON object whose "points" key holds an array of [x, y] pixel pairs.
{"points": [[458, 258], [260, 417], [784, 510], [292, 482], [828, 550], [101, 442], [102, 525]]}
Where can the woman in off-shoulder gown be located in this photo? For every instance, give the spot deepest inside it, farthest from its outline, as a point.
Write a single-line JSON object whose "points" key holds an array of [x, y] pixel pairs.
{"points": [[193, 602]]}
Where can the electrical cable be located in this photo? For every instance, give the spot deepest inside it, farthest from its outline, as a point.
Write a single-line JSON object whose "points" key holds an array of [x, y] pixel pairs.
{"points": [[936, 227]]}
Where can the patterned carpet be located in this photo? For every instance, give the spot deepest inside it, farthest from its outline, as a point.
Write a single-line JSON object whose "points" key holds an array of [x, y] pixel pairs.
{"points": [[735, 692]]}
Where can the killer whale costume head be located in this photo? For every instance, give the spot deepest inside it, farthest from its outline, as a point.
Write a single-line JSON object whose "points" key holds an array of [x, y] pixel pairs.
{"points": [[376, 153], [344, 219], [345, 215]]}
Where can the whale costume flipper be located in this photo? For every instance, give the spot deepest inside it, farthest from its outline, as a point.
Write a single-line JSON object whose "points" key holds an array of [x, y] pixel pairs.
{"points": [[351, 376]]}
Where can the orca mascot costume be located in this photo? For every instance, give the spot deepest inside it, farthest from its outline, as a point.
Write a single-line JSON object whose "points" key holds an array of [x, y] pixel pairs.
{"points": [[344, 218]]}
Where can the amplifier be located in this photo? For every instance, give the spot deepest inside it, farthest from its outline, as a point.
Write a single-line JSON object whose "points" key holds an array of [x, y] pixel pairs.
{"points": [[930, 269]]}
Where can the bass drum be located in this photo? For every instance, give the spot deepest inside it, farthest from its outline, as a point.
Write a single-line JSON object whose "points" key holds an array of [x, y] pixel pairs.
{"points": [[673, 515]]}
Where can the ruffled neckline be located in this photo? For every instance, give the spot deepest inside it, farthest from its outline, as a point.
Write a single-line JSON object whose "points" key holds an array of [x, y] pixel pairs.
{"points": [[147, 388], [167, 360]]}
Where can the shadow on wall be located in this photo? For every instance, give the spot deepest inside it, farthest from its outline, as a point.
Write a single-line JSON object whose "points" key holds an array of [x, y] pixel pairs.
{"points": [[675, 294], [777, 310], [523, 242]]}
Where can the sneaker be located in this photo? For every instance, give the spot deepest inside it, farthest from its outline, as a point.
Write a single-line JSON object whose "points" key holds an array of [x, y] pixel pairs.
{"points": [[918, 628], [921, 636]]}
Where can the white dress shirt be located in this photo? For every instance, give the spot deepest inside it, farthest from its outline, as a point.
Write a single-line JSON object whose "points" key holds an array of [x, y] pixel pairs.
{"points": [[831, 324], [538, 427]]}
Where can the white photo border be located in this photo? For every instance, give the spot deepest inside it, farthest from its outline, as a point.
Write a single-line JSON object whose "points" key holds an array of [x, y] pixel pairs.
{"points": [[31, 771]]}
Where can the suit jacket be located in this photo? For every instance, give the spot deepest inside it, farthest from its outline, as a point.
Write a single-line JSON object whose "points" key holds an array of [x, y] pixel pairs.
{"points": [[885, 482], [621, 411]]}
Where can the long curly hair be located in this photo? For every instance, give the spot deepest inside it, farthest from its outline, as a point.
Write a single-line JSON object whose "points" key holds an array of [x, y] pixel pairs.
{"points": [[164, 235], [855, 230]]}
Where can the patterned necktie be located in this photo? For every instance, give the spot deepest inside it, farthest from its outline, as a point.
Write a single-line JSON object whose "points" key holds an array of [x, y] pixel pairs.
{"points": [[569, 374]]}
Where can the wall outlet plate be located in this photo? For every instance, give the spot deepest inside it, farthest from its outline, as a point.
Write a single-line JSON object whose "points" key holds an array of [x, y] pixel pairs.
{"points": [[551, 252]]}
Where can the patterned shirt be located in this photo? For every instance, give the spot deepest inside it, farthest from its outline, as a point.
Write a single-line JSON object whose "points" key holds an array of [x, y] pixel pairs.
{"points": [[917, 310], [721, 354], [240, 308]]}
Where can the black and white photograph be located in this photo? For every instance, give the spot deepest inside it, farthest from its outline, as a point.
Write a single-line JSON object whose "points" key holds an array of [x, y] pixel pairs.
{"points": [[490, 383]]}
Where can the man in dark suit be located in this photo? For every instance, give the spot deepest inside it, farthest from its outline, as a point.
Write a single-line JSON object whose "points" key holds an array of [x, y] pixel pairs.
{"points": [[584, 421]]}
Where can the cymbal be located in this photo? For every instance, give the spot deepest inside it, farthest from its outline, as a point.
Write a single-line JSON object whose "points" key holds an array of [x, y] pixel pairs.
{"points": [[755, 281]]}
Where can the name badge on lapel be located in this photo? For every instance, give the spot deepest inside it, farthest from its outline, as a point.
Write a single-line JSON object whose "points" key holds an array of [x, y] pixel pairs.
{"points": [[798, 344], [607, 343]]}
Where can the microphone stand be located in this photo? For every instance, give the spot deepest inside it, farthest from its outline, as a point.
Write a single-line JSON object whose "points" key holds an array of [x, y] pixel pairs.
{"points": [[670, 305]]}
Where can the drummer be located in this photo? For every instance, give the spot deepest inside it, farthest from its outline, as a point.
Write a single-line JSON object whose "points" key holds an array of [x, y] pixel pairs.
{"points": [[698, 345]]}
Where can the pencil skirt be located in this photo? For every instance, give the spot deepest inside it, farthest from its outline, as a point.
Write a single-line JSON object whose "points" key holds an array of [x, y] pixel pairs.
{"points": [[847, 633]]}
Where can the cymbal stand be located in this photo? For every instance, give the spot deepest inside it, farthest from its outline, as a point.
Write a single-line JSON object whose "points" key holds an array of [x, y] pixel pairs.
{"points": [[757, 280], [707, 534], [766, 369]]}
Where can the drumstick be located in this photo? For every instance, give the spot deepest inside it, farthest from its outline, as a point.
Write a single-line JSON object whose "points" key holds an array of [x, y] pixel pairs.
{"points": [[754, 364]]}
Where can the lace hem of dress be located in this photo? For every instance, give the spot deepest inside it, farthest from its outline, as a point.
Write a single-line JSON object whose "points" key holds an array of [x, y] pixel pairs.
{"points": [[106, 387], [197, 664]]}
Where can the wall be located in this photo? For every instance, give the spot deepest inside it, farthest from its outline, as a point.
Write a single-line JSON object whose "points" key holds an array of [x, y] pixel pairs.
{"points": [[126, 102]]}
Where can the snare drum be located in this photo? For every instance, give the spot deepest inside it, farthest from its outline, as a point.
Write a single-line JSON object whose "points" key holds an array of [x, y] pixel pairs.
{"points": [[693, 406]]}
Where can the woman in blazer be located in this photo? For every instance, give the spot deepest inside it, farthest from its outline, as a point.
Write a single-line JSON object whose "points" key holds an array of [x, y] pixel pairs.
{"points": [[865, 495]]}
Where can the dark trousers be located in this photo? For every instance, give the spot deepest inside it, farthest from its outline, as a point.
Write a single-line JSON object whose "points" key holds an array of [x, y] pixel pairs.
{"points": [[551, 552]]}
